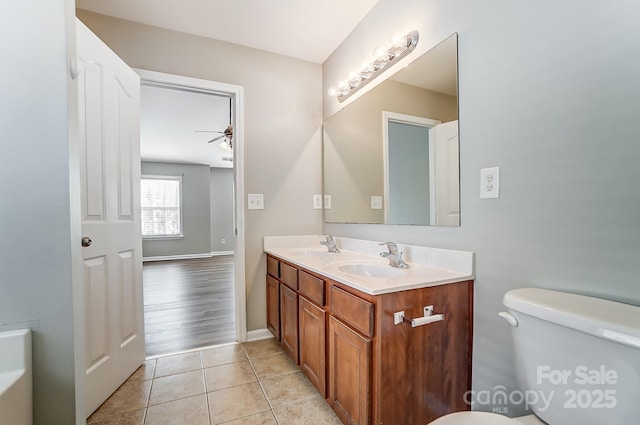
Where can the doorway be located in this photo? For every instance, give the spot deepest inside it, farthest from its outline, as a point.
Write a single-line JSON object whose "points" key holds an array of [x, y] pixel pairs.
{"points": [[226, 253], [408, 160]]}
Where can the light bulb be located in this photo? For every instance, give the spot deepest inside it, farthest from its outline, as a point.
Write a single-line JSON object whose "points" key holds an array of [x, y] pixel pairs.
{"points": [[380, 52], [225, 145], [367, 68], [342, 85], [399, 40], [333, 92]]}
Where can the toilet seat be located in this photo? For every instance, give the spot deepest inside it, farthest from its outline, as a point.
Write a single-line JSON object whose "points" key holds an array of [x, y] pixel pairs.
{"points": [[485, 418], [473, 418]]}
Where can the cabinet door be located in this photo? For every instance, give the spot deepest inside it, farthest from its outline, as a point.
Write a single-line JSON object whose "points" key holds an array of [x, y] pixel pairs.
{"points": [[349, 374], [312, 343], [273, 306], [289, 321]]}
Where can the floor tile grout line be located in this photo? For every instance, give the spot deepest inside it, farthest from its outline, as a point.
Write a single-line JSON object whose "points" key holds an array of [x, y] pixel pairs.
{"points": [[146, 407], [300, 400], [273, 414], [206, 394], [242, 417], [260, 379], [264, 393]]}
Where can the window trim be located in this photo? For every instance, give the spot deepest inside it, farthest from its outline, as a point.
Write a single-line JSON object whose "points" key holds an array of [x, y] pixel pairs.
{"points": [[165, 237]]}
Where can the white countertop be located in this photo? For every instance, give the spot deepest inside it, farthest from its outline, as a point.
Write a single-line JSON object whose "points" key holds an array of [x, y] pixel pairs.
{"points": [[427, 266]]}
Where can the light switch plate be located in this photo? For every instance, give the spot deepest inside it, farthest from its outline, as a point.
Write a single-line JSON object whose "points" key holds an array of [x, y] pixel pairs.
{"points": [[317, 202], [327, 202], [376, 202], [255, 201], [490, 183]]}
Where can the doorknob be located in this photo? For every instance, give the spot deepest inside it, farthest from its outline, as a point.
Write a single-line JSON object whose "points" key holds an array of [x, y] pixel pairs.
{"points": [[86, 241]]}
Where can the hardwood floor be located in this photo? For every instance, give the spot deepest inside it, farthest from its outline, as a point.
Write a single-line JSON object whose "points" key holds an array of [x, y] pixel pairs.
{"points": [[188, 304]]}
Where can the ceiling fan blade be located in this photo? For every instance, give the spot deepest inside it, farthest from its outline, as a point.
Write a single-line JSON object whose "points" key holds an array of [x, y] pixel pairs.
{"points": [[208, 131], [215, 138]]}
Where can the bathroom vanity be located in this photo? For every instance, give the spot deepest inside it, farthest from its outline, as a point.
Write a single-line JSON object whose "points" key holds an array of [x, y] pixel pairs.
{"points": [[381, 344]]}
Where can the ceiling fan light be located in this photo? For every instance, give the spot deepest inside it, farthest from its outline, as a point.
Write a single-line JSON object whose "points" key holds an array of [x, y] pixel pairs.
{"points": [[225, 145]]}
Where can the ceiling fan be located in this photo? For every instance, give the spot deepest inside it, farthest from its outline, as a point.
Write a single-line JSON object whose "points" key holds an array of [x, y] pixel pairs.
{"points": [[227, 134]]}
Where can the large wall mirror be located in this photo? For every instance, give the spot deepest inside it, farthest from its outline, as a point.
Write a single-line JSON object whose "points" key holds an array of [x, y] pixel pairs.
{"points": [[391, 156]]}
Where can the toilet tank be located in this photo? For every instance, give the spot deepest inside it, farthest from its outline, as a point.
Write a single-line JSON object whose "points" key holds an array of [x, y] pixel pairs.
{"points": [[577, 357]]}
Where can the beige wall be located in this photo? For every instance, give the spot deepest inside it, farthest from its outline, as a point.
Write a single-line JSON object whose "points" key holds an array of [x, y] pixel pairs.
{"points": [[282, 122], [549, 92]]}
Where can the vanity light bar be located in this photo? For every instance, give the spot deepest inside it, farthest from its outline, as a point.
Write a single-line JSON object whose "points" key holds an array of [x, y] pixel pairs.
{"points": [[384, 58]]}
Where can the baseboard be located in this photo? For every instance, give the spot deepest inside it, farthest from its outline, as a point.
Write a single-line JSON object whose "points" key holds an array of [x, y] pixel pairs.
{"points": [[258, 334], [215, 254], [186, 256]]}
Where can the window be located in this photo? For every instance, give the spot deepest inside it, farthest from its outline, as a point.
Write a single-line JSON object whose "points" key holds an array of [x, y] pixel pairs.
{"points": [[161, 206]]}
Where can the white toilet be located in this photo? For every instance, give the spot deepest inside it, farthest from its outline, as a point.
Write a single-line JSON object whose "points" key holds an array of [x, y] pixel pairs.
{"points": [[577, 359]]}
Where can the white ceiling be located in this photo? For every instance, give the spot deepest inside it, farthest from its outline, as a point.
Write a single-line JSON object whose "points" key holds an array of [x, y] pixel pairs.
{"points": [[308, 30], [304, 29], [168, 120]]}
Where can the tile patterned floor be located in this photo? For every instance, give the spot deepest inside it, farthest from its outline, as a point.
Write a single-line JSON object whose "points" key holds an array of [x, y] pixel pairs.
{"points": [[254, 383]]}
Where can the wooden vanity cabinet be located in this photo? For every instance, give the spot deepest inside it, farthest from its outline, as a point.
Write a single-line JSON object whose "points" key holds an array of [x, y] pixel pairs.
{"points": [[289, 321], [370, 370], [296, 316]]}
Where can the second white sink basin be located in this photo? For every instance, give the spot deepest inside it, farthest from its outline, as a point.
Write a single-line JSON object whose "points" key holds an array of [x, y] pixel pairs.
{"points": [[373, 270]]}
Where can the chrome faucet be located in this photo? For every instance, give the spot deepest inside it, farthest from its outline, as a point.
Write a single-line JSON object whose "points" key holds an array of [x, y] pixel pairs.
{"points": [[330, 244], [394, 255]]}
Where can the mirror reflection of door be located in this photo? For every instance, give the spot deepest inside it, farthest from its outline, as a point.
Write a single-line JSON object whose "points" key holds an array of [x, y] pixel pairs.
{"points": [[420, 171], [408, 165], [445, 175]]}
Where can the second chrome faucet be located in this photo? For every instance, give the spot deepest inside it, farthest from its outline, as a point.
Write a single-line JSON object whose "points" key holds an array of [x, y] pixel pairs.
{"points": [[394, 255], [330, 244]]}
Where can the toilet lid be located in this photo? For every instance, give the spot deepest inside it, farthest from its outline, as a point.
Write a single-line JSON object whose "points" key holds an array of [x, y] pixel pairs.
{"points": [[473, 418]]}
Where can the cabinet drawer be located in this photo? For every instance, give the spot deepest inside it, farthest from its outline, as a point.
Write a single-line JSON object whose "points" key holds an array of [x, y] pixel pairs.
{"points": [[353, 310], [289, 275], [311, 287], [273, 266]]}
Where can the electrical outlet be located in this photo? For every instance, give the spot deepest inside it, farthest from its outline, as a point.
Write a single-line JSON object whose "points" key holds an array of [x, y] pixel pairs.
{"points": [[256, 201], [223, 241], [317, 202], [376, 202], [490, 183], [327, 202]]}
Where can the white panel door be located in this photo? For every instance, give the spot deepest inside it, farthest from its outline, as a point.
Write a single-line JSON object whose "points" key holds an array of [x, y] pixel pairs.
{"points": [[109, 99], [447, 173]]}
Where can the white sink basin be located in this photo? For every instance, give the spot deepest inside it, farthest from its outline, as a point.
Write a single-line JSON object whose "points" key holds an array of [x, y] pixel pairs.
{"points": [[373, 270]]}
